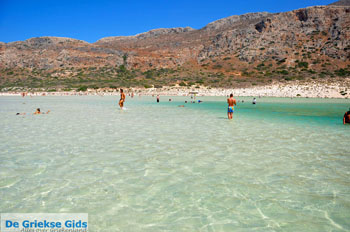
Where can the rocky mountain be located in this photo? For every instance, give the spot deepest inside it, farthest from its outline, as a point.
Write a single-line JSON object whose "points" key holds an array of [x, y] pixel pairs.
{"points": [[149, 34], [341, 3], [323, 32], [234, 21], [313, 42]]}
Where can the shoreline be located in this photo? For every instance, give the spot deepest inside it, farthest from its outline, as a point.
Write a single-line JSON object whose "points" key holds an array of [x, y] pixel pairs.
{"points": [[288, 90]]}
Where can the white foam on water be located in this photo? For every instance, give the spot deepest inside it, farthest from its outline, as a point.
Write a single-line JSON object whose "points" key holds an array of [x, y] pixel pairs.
{"points": [[332, 222]]}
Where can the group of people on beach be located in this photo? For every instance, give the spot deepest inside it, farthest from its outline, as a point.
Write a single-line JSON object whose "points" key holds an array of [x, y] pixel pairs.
{"points": [[232, 103], [230, 109]]}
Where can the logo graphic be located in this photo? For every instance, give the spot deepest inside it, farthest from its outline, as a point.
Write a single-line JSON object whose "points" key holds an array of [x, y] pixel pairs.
{"points": [[44, 222]]}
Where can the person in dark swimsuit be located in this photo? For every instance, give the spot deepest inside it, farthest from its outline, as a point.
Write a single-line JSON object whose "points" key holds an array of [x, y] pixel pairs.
{"points": [[346, 118]]}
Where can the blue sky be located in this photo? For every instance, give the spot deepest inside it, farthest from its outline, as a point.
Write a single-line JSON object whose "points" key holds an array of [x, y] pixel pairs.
{"points": [[92, 20]]}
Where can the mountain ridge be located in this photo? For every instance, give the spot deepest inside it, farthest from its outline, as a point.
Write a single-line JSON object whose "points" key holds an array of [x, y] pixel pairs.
{"points": [[229, 18], [341, 3], [310, 42]]}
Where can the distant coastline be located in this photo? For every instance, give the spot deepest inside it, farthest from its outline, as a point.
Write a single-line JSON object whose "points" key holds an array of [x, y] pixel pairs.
{"points": [[290, 90]]}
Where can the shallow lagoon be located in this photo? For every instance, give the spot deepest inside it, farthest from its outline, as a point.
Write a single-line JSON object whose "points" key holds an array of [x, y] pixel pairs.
{"points": [[280, 165]]}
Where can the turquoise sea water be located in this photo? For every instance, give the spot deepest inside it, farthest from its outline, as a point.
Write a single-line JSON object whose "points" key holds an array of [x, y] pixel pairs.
{"points": [[280, 165]]}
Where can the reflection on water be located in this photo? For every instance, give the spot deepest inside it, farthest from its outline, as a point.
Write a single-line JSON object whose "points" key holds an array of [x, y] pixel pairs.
{"points": [[281, 165]]}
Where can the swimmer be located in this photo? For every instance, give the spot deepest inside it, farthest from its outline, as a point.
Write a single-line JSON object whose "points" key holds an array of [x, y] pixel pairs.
{"points": [[39, 112], [122, 99], [346, 118], [231, 103], [181, 106], [21, 114]]}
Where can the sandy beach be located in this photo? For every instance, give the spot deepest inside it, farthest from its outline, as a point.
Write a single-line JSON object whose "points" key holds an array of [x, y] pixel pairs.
{"points": [[294, 89]]}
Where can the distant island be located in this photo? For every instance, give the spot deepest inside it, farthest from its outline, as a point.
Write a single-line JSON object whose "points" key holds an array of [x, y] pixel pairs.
{"points": [[310, 45]]}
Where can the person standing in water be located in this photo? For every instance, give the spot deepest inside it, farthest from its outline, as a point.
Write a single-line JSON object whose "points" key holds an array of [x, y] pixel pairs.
{"points": [[254, 101], [122, 99], [157, 98], [231, 104], [346, 118]]}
